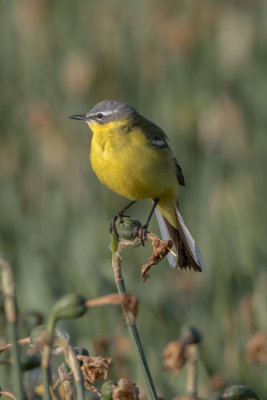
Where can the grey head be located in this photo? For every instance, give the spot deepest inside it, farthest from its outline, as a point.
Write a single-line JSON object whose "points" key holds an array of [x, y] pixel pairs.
{"points": [[106, 111]]}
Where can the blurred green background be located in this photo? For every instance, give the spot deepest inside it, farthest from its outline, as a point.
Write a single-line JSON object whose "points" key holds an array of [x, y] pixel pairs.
{"points": [[198, 70]]}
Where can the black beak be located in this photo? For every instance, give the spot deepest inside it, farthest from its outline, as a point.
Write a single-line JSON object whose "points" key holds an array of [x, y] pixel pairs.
{"points": [[78, 116]]}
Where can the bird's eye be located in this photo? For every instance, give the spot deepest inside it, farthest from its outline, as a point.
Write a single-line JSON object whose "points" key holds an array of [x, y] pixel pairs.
{"points": [[99, 116]]}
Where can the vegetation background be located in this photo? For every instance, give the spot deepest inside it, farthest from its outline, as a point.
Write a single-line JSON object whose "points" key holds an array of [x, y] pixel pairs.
{"points": [[198, 70]]}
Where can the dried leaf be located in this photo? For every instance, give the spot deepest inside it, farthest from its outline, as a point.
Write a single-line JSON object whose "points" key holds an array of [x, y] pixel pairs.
{"points": [[160, 249]]}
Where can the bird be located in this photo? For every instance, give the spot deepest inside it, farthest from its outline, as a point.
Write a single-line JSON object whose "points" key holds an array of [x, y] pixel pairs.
{"points": [[132, 157]]}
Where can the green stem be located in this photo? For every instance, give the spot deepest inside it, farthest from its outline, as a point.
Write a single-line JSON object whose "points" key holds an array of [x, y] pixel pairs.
{"points": [[45, 380], [79, 390], [132, 329]]}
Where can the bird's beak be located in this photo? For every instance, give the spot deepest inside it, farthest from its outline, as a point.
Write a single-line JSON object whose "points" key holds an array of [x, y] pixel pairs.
{"points": [[82, 117]]}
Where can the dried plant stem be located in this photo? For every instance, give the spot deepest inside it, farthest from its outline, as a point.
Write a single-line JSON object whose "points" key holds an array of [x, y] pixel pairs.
{"points": [[21, 342], [73, 363], [46, 372], [8, 289], [133, 332], [79, 390], [192, 370], [3, 393]]}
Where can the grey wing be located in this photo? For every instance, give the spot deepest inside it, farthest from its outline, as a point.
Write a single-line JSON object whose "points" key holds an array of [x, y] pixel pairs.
{"points": [[158, 138], [179, 172]]}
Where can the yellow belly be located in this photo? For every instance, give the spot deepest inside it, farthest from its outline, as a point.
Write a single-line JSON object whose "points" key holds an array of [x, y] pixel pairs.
{"points": [[128, 165]]}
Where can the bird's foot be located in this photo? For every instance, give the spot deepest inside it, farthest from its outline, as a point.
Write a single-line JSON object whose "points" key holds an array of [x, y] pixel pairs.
{"points": [[143, 234], [112, 225]]}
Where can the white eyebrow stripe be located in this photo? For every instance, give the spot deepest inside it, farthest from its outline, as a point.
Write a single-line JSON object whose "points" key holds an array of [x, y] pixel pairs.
{"points": [[105, 113]]}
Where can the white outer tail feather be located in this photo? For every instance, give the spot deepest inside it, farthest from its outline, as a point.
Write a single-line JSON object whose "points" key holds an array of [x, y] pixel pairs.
{"points": [[194, 250]]}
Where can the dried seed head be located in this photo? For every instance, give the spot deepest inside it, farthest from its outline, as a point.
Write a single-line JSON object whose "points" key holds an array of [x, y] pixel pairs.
{"points": [[217, 382], [94, 368], [160, 249], [130, 304], [125, 390], [174, 356], [256, 350]]}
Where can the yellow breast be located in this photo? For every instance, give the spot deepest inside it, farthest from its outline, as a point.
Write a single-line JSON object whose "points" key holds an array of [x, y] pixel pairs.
{"points": [[127, 164]]}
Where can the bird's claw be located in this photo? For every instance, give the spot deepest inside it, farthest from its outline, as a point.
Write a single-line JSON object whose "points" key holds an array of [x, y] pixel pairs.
{"points": [[112, 225], [120, 217], [143, 234]]}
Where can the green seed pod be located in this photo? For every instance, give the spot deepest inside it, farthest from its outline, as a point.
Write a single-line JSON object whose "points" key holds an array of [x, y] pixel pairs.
{"points": [[107, 390], [30, 362], [193, 333], [240, 392], [127, 228], [81, 351], [36, 333], [69, 306]]}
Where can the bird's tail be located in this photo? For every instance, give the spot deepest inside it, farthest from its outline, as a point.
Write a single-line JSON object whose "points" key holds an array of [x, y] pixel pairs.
{"points": [[188, 254]]}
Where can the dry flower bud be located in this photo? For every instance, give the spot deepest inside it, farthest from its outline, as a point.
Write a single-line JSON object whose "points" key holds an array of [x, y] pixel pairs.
{"points": [[160, 249], [217, 382], [256, 350], [130, 304], [174, 356], [125, 390], [94, 368]]}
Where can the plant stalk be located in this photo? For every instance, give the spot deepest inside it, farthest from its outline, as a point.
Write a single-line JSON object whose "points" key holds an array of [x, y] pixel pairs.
{"points": [[192, 371], [132, 329], [9, 294], [46, 372]]}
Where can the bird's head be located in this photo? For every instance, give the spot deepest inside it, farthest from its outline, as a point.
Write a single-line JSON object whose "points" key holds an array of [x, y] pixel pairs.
{"points": [[106, 112]]}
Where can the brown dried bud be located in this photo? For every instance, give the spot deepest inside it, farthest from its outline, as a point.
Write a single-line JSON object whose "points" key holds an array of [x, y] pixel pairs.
{"points": [[174, 356], [217, 382], [256, 350], [94, 368], [125, 390], [160, 249]]}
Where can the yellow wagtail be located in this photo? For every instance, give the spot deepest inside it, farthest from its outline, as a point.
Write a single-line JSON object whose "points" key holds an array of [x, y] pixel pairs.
{"points": [[131, 156]]}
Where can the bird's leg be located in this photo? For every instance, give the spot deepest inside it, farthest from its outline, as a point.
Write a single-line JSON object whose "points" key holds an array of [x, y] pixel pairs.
{"points": [[143, 229], [120, 215]]}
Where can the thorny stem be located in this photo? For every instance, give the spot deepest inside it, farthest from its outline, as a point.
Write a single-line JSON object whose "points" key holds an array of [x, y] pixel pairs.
{"points": [[133, 332]]}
